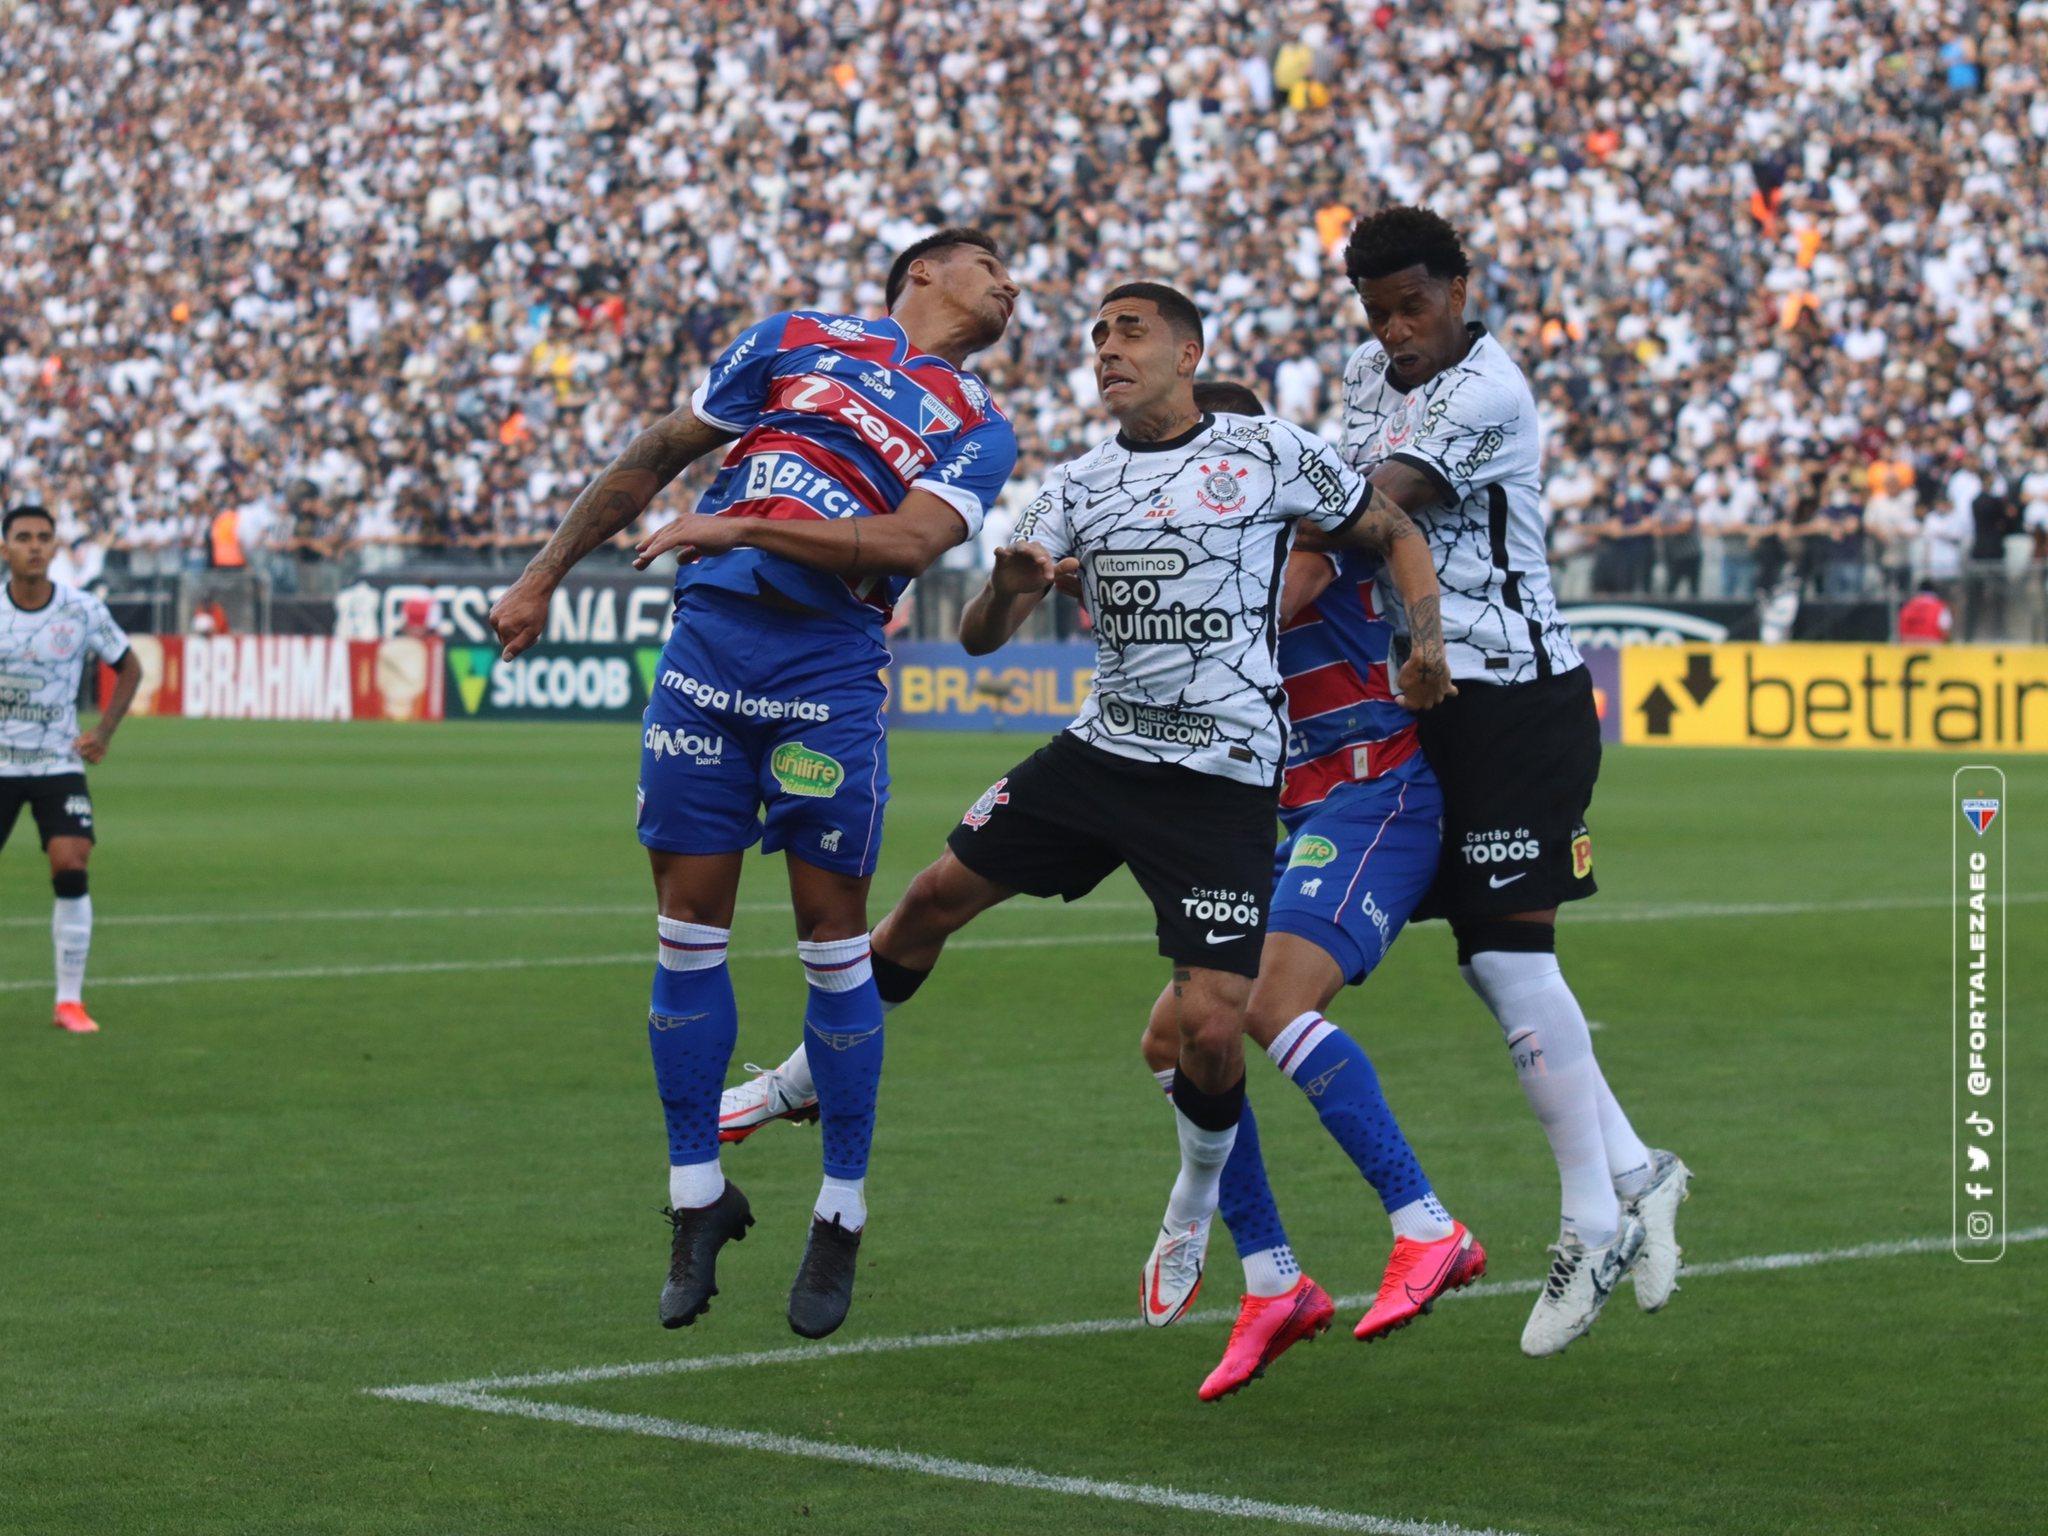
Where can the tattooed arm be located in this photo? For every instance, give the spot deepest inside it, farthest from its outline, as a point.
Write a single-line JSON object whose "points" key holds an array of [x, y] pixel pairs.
{"points": [[1386, 528], [608, 505]]}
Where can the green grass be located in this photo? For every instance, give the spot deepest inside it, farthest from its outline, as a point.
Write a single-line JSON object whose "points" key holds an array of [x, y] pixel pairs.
{"points": [[249, 1200]]}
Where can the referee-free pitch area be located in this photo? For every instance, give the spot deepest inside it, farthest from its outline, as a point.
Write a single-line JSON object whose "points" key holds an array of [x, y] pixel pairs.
{"points": [[372, 1111]]}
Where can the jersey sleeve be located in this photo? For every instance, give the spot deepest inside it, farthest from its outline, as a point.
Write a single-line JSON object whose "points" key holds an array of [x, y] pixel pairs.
{"points": [[1465, 432], [108, 640], [1044, 520], [1318, 485], [973, 471], [735, 391]]}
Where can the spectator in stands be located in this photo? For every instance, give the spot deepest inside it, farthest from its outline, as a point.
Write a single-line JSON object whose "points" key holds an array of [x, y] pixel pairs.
{"points": [[1925, 618]]}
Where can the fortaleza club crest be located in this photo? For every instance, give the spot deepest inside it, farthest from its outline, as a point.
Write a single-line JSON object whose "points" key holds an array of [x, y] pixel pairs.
{"points": [[978, 813], [1980, 814], [1221, 491]]}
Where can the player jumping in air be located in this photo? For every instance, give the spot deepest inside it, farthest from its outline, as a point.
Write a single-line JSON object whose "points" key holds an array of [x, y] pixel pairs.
{"points": [[1179, 527], [47, 632], [863, 453], [1362, 811], [1442, 420]]}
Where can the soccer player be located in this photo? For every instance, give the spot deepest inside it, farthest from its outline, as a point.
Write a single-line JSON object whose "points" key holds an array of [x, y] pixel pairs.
{"points": [[1443, 421], [1179, 528], [861, 451], [47, 631], [1361, 811]]}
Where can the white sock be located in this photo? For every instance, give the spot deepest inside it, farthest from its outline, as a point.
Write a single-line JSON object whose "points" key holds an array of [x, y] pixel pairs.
{"points": [[1273, 1272], [1628, 1160], [1422, 1221], [71, 934], [844, 1198], [1202, 1156], [795, 1074], [1164, 1078], [695, 1185], [1553, 1055]]}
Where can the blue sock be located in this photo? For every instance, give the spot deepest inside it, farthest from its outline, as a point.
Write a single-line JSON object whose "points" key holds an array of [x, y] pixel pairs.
{"points": [[1246, 1202], [1328, 1066], [691, 1027], [843, 1039]]}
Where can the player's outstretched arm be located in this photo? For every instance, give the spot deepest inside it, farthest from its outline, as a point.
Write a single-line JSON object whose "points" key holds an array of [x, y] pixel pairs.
{"points": [[92, 745], [608, 505], [1387, 529], [1022, 575], [920, 530]]}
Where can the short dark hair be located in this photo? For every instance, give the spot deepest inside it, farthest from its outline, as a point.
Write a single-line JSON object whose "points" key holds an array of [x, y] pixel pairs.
{"points": [[1228, 396], [16, 514], [1175, 307], [945, 239], [1395, 238]]}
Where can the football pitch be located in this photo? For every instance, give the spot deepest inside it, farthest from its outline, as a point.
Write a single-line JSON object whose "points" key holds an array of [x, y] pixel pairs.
{"points": [[347, 1221]]}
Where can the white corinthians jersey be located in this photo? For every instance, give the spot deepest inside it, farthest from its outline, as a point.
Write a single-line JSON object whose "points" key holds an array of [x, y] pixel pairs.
{"points": [[1473, 430], [42, 666], [1182, 545]]}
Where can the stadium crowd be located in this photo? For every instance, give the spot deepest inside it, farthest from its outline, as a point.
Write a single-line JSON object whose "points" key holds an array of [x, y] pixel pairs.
{"points": [[384, 278]]}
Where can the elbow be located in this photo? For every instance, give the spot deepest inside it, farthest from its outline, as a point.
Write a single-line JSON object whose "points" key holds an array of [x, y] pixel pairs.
{"points": [[975, 643]]}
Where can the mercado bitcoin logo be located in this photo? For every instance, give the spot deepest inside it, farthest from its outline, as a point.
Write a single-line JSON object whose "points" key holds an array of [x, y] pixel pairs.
{"points": [[803, 772], [471, 665], [1315, 852]]}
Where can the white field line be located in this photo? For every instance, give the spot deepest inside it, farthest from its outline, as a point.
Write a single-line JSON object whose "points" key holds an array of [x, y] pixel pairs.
{"points": [[798, 1354], [1152, 1496], [1610, 912], [639, 957]]}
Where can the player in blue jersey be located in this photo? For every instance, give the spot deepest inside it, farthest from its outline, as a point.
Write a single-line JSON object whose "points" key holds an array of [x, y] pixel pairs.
{"points": [[860, 450]]}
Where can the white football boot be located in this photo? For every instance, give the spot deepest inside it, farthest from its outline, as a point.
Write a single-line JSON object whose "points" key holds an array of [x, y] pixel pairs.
{"points": [[1173, 1274], [762, 1098], [1656, 1271], [1578, 1285]]}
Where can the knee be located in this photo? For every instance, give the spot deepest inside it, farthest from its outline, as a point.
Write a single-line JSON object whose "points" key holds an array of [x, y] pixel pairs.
{"points": [[928, 910], [1211, 1028], [1160, 1043]]}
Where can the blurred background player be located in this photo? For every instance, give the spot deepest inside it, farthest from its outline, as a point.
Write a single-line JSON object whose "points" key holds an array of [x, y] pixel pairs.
{"points": [[1178, 528], [1442, 420], [1362, 813], [769, 695], [47, 633]]}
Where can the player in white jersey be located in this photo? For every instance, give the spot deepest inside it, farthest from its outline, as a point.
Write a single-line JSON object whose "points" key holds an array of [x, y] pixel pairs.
{"points": [[47, 633], [1442, 420], [1179, 529]]}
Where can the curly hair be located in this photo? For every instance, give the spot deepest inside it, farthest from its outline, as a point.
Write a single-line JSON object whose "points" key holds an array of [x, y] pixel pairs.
{"points": [[1395, 238]]}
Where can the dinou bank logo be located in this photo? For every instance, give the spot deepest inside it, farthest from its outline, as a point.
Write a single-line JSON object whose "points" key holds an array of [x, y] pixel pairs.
{"points": [[801, 771]]}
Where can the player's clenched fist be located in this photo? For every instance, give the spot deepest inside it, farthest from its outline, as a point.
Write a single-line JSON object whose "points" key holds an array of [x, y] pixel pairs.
{"points": [[520, 617], [1425, 681], [1021, 569]]}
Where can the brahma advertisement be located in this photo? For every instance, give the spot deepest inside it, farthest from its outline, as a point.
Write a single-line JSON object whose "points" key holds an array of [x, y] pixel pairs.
{"points": [[285, 677]]}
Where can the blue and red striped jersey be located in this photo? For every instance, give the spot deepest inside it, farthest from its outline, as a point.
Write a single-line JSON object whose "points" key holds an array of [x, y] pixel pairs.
{"points": [[1343, 725], [840, 416]]}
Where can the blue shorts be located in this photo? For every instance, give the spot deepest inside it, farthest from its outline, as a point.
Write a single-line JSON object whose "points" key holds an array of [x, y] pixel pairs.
{"points": [[754, 707], [1347, 876]]}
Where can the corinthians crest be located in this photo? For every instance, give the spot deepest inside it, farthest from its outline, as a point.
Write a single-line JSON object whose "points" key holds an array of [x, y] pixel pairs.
{"points": [[1221, 491]]}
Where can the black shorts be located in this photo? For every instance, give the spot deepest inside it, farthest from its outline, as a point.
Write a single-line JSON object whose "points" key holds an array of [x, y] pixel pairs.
{"points": [[1201, 847], [1517, 765], [59, 802]]}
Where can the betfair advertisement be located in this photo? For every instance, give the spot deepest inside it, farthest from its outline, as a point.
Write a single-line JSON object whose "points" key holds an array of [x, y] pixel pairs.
{"points": [[1890, 697]]}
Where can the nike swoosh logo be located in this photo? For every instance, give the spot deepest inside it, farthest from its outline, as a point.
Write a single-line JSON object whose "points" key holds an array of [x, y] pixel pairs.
{"points": [[1496, 882], [1437, 1280], [1222, 938]]}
